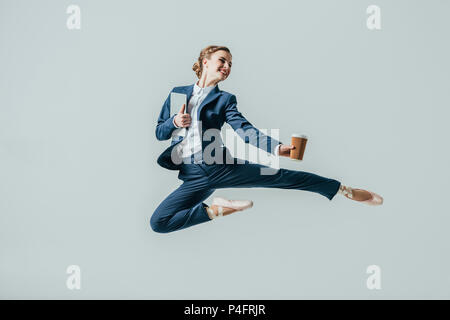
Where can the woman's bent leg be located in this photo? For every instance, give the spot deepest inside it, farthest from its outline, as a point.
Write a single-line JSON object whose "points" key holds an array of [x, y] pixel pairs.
{"points": [[183, 208]]}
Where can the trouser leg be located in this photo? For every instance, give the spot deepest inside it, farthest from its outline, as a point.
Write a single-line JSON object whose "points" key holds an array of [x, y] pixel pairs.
{"points": [[183, 208], [256, 175]]}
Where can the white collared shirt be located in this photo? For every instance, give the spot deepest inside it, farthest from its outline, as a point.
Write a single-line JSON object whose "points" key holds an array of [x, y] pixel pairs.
{"points": [[192, 143]]}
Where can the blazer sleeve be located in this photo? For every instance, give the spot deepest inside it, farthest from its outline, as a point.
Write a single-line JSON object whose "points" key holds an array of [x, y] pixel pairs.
{"points": [[246, 130], [165, 125]]}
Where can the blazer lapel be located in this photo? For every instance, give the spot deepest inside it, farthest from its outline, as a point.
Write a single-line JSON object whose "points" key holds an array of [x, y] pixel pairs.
{"points": [[212, 95]]}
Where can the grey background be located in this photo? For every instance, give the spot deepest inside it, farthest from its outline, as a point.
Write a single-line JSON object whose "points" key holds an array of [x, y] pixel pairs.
{"points": [[78, 173]]}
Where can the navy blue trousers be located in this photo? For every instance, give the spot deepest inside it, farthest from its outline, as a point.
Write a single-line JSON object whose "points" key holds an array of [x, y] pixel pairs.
{"points": [[184, 207]]}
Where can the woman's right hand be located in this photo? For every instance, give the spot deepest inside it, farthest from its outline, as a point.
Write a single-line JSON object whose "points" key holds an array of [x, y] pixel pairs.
{"points": [[183, 119], [285, 150]]}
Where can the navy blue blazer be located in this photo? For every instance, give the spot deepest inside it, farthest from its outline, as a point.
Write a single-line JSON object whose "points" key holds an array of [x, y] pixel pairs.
{"points": [[217, 108]]}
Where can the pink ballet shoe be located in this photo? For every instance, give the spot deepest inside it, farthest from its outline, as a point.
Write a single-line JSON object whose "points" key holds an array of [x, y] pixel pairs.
{"points": [[221, 203], [375, 199], [239, 205]]}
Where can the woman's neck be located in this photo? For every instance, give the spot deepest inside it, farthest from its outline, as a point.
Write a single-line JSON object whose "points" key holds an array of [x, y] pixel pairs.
{"points": [[205, 82]]}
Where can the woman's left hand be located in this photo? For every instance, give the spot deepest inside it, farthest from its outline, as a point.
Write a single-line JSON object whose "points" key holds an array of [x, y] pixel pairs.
{"points": [[285, 150]]}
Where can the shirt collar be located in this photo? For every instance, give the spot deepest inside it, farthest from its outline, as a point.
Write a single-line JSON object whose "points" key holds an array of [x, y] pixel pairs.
{"points": [[198, 90]]}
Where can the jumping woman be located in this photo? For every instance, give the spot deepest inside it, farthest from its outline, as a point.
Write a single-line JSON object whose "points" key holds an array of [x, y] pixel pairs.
{"points": [[208, 107]]}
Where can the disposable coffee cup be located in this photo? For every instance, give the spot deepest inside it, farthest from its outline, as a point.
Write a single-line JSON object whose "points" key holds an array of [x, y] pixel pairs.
{"points": [[299, 141]]}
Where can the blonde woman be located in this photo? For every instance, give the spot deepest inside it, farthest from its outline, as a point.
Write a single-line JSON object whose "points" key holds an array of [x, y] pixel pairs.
{"points": [[209, 108]]}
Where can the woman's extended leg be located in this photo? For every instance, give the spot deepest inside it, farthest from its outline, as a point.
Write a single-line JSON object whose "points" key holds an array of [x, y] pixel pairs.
{"points": [[253, 175]]}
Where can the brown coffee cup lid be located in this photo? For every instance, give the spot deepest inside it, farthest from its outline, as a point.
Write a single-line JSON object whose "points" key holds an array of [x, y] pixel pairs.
{"points": [[297, 135]]}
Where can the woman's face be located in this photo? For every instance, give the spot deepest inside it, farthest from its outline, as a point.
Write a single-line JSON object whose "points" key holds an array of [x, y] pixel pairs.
{"points": [[218, 66]]}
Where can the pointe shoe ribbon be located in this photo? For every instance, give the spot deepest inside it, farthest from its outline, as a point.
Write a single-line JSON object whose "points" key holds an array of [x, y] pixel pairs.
{"points": [[214, 216], [346, 191]]}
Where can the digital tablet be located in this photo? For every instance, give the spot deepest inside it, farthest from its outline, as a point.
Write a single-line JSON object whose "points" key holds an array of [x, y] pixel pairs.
{"points": [[176, 101]]}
